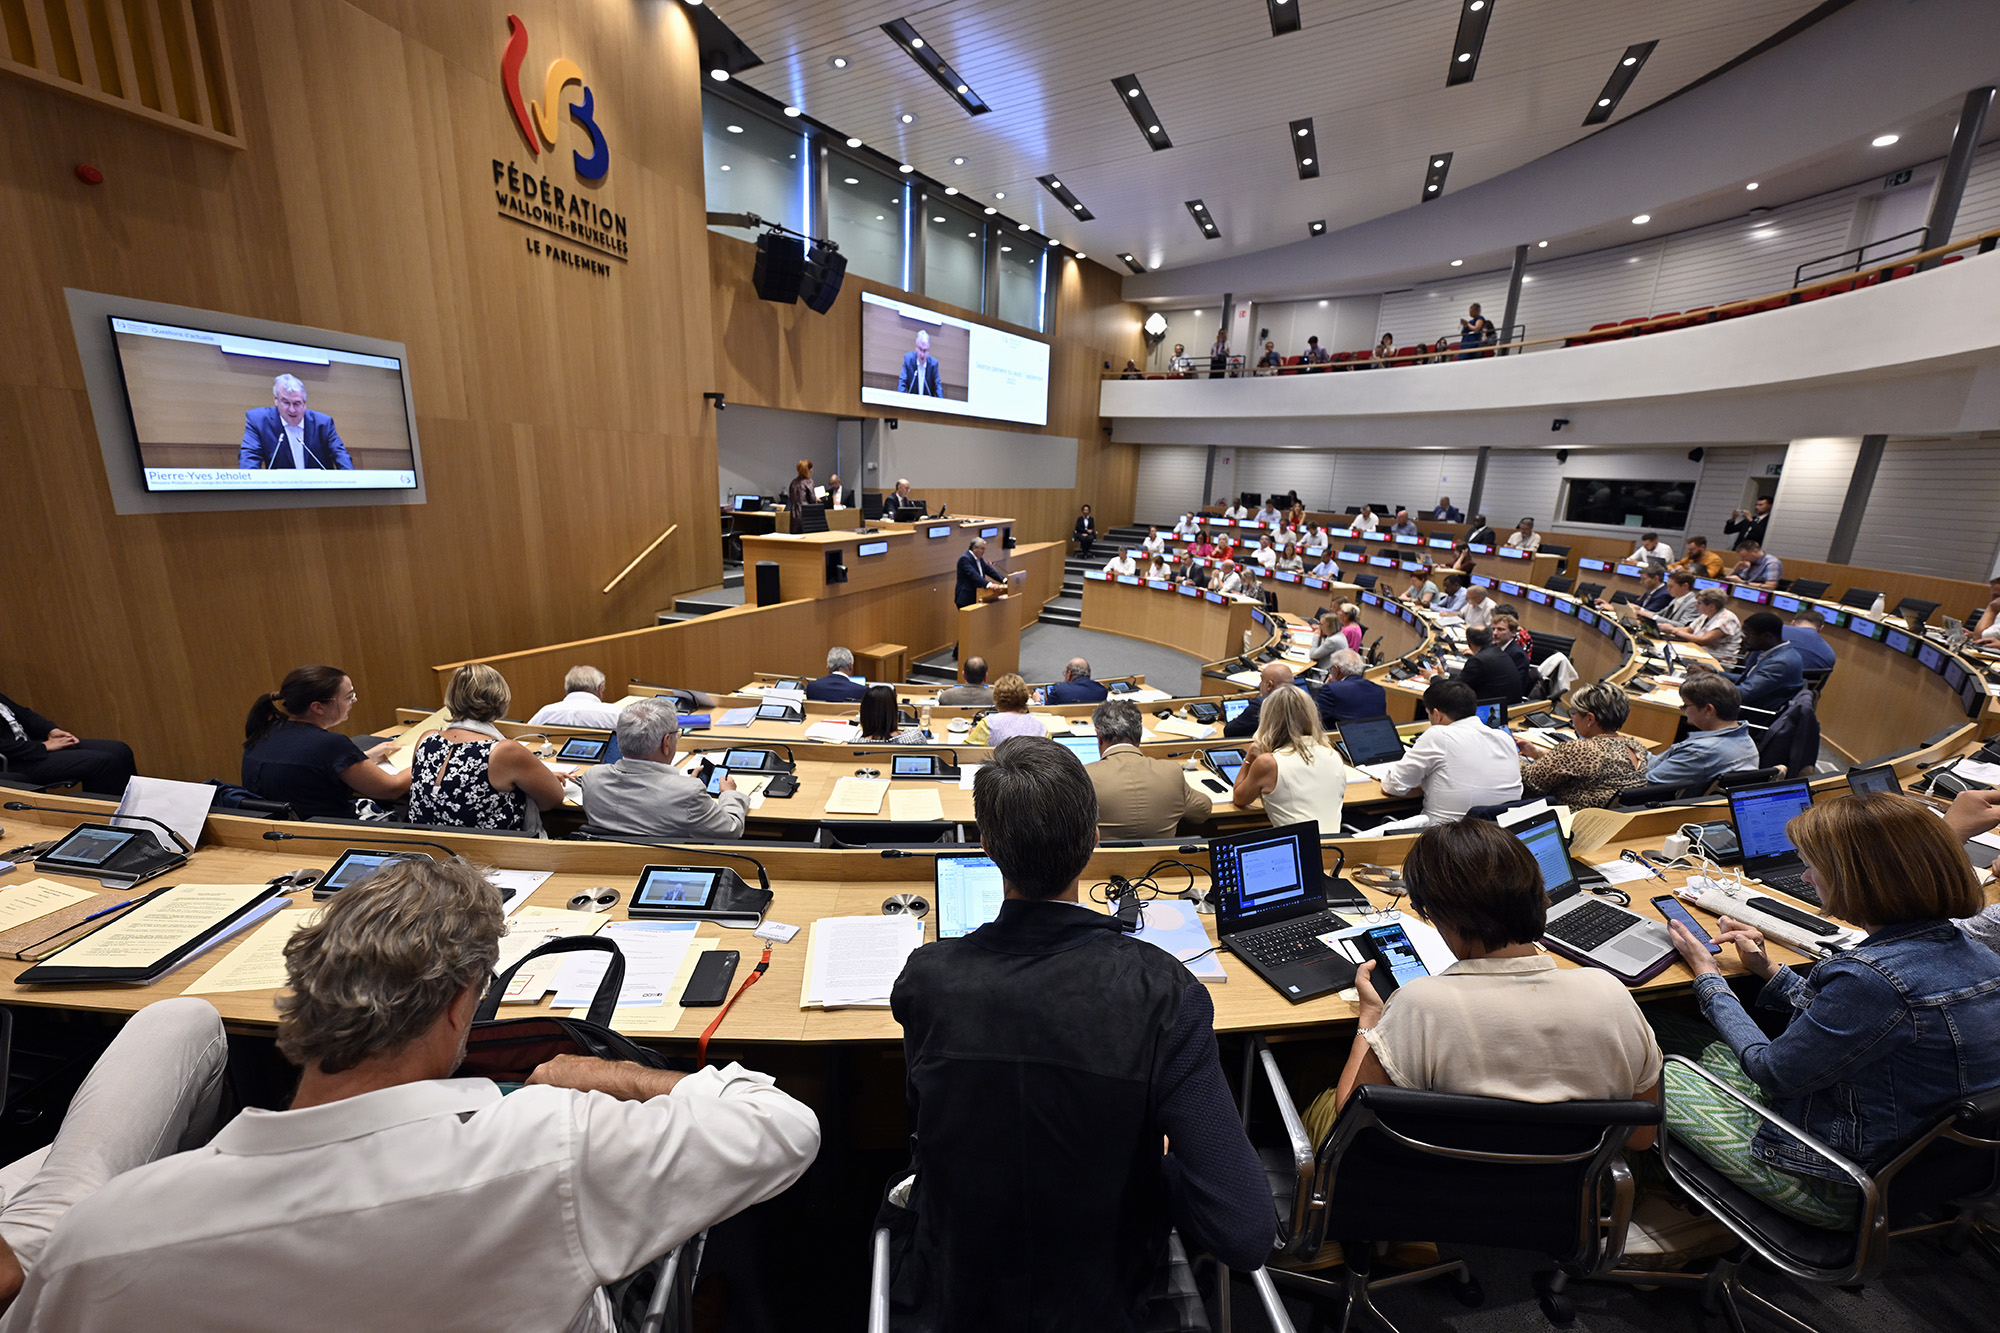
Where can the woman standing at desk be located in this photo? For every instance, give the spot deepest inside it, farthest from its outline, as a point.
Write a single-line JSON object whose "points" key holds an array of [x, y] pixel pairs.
{"points": [[800, 493], [292, 753]]}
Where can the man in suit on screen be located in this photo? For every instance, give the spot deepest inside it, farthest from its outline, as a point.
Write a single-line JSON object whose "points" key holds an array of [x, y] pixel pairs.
{"points": [[920, 370], [286, 435]]}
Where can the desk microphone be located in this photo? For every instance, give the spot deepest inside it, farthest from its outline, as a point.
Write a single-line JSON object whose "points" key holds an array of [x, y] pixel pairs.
{"points": [[171, 832], [914, 749], [763, 880], [276, 836]]}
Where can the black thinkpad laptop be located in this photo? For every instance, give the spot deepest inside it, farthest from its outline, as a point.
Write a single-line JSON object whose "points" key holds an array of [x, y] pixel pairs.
{"points": [[1270, 896], [1760, 814]]}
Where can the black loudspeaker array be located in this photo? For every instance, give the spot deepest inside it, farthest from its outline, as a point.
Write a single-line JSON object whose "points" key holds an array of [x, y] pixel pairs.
{"points": [[781, 268], [824, 272], [767, 583]]}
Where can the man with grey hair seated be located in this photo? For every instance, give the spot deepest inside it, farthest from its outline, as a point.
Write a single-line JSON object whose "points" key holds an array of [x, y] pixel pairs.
{"points": [[393, 1196], [1076, 686], [1348, 694], [644, 795], [837, 686], [1137, 796], [583, 702]]}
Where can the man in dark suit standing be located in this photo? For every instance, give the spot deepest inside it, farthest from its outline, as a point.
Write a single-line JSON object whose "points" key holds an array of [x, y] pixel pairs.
{"points": [[920, 370], [286, 435], [974, 573], [836, 686], [1445, 513], [1076, 686]]}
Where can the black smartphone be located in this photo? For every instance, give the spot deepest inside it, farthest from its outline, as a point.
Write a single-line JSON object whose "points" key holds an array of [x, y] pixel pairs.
{"points": [[1670, 908], [1390, 947], [708, 985]]}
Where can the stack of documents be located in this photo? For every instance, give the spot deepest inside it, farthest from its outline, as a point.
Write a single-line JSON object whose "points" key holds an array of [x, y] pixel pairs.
{"points": [[1175, 726], [653, 952], [915, 804], [836, 733], [855, 960], [857, 796]]}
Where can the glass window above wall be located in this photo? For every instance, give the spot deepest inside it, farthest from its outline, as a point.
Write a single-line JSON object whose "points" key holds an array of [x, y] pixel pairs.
{"points": [[954, 254], [864, 216], [752, 164], [1020, 280], [1618, 502]]}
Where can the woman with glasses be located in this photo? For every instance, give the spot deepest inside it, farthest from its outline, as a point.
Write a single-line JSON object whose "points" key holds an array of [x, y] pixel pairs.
{"points": [[292, 753], [1590, 771]]}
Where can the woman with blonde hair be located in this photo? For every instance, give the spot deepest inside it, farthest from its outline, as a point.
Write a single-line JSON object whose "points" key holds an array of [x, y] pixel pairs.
{"points": [[1291, 765], [1878, 1041], [469, 775], [1010, 715]]}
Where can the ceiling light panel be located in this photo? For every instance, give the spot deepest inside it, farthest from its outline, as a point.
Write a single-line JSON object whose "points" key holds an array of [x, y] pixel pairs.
{"points": [[1132, 262], [1135, 101], [1622, 74], [934, 64], [1316, 228], [1473, 16], [1071, 204], [1284, 16], [1305, 148], [1199, 212], [1436, 167]]}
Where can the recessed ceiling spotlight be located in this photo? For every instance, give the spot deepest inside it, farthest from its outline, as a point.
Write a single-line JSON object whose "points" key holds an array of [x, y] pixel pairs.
{"points": [[793, 111], [935, 65], [1438, 167], [837, 62], [1052, 182], [1006, 249], [734, 129], [951, 189], [1322, 305], [958, 161], [1140, 107], [1316, 228], [1527, 277], [719, 75], [906, 168], [1466, 45], [1300, 133], [1884, 140], [851, 180], [1541, 245], [1437, 161], [999, 194], [973, 235], [878, 217], [1622, 74], [1458, 263], [937, 219], [1131, 261], [1642, 219], [907, 118], [725, 166], [1305, 161], [1764, 233], [991, 211], [1751, 185], [854, 143]]}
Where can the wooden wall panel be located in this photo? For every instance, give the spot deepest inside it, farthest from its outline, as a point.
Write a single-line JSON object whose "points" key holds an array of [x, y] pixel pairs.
{"points": [[559, 413]]}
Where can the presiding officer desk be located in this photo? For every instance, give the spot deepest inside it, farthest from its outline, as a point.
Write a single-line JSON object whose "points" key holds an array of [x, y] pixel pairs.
{"points": [[807, 883]]}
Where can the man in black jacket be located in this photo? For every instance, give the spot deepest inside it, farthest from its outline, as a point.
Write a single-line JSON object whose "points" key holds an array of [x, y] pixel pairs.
{"points": [[1245, 723], [1748, 528], [37, 750], [1065, 1094], [1481, 533], [974, 573], [1488, 669], [1086, 532]]}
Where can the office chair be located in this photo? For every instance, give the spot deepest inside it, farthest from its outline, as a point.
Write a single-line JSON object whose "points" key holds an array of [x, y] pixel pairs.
{"points": [[1816, 679], [1659, 793], [1589, 591], [1938, 1183], [1860, 598], [1812, 588], [1915, 611], [852, 835], [1549, 1178], [659, 1298], [1558, 551], [1747, 777], [1561, 583], [812, 518]]}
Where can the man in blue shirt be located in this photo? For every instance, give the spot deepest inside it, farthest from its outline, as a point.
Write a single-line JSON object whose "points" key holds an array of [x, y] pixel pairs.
{"points": [[1756, 569], [1772, 671], [1348, 694], [1451, 601], [1076, 686], [1404, 526], [1719, 742], [836, 686], [1815, 653]]}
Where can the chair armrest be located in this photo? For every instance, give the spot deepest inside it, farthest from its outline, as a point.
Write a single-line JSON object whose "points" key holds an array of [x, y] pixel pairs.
{"points": [[878, 1283], [1288, 1111], [1274, 1305], [1619, 1221], [1861, 1179]]}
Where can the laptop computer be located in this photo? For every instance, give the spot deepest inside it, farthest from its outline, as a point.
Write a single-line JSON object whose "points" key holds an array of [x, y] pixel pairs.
{"points": [[1493, 712], [1760, 815], [1083, 747], [1869, 781], [1369, 740], [1270, 909], [1590, 930], [967, 891]]}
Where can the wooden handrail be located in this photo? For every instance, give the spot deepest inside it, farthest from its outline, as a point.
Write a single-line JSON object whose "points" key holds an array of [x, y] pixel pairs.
{"points": [[641, 556], [1985, 240]]}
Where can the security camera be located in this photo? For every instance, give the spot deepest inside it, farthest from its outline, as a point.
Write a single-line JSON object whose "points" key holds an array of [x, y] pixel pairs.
{"points": [[721, 403], [1559, 423], [1562, 455]]}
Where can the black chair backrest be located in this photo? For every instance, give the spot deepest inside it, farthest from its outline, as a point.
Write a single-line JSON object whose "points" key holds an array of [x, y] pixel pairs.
{"points": [[1621, 597], [887, 833], [871, 505], [1548, 645], [1748, 777], [1860, 598], [812, 518], [1366, 581], [1562, 583], [1808, 588], [1547, 549], [1589, 590], [1657, 793], [1400, 1162], [1915, 610]]}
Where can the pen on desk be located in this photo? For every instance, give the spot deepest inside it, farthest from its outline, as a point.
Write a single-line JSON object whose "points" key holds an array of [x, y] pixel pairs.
{"points": [[1640, 858], [106, 911]]}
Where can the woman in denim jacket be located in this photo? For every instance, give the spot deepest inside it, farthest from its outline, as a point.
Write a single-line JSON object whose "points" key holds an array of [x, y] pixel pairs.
{"points": [[1880, 1039]]}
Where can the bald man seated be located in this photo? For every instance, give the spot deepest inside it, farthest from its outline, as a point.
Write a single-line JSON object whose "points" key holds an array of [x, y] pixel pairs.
{"points": [[1244, 723], [1076, 686]]}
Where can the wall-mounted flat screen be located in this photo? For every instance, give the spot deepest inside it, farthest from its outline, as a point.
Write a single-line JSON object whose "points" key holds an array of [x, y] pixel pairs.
{"points": [[215, 411], [917, 358]]}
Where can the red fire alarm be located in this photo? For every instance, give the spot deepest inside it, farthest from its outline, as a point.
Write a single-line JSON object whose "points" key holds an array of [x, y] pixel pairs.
{"points": [[88, 174]]}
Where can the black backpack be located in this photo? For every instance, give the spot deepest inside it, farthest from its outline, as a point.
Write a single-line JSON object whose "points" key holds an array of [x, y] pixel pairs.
{"points": [[507, 1050]]}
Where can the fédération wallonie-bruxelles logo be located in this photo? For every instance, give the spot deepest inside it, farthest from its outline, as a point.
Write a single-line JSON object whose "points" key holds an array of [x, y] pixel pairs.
{"points": [[523, 195]]}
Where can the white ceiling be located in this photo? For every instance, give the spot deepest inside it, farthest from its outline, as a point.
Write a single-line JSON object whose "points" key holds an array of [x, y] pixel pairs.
{"points": [[1371, 74]]}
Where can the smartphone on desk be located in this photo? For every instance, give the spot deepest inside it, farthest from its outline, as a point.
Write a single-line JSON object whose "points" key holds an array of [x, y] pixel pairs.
{"points": [[1670, 908], [1391, 948], [708, 984]]}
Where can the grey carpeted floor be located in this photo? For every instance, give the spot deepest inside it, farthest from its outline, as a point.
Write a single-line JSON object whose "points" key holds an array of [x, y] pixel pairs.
{"points": [[1924, 1290], [1046, 648]]}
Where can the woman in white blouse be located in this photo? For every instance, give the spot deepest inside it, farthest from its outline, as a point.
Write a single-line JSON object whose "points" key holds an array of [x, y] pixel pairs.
{"points": [[1291, 766]]}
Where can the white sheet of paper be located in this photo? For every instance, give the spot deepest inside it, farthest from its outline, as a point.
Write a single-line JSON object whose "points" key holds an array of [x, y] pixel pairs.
{"points": [[915, 804], [529, 929], [653, 951], [258, 963], [516, 885], [966, 773], [1978, 771], [836, 733], [857, 796], [856, 959], [148, 933], [33, 899], [1621, 872], [181, 806], [666, 1015]]}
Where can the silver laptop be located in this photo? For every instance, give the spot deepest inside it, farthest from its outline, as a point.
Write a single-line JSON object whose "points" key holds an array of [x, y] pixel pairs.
{"points": [[1589, 929]]}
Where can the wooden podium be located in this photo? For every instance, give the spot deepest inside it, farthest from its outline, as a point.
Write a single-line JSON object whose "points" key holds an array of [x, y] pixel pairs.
{"points": [[991, 627]]}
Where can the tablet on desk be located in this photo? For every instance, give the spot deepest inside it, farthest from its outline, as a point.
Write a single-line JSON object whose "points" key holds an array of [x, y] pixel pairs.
{"points": [[355, 864], [920, 766], [698, 893], [589, 750], [780, 713], [86, 848]]}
